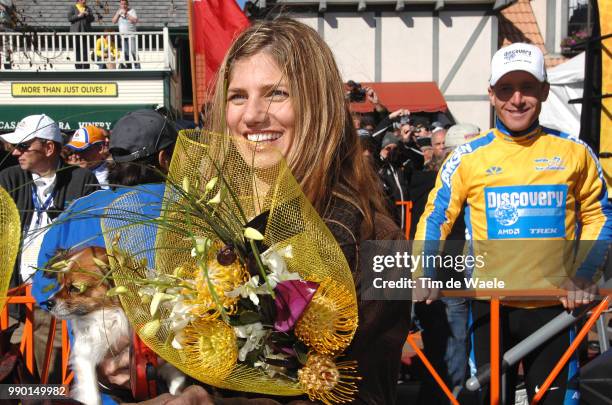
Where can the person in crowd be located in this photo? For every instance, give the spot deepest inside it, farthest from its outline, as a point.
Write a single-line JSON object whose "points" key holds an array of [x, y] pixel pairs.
{"points": [[141, 147], [444, 323], [80, 16], [370, 146], [41, 186], [272, 72], [393, 177], [458, 134], [422, 130], [126, 19], [358, 94], [437, 142], [88, 149], [520, 154], [425, 147], [106, 51]]}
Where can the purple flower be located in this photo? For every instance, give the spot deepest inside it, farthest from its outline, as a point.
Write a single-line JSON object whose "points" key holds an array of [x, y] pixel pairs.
{"points": [[292, 298]]}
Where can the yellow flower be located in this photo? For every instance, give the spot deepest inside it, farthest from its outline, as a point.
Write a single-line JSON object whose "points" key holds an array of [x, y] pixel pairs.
{"points": [[209, 349], [329, 322], [324, 380]]}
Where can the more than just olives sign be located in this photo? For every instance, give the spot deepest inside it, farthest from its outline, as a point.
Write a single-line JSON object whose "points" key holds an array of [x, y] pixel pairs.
{"points": [[58, 89]]}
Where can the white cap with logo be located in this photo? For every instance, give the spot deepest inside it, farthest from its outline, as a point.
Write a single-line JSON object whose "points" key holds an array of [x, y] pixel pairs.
{"points": [[34, 126], [518, 56]]}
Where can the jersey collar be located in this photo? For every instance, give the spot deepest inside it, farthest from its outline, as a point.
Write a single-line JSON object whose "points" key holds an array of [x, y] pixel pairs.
{"points": [[520, 136]]}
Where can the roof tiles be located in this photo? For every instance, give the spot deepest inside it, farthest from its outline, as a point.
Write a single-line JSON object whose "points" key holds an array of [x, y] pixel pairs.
{"points": [[151, 13]]}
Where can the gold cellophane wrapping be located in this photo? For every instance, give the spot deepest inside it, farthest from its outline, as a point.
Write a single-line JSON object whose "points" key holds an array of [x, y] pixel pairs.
{"points": [[9, 241], [260, 185]]}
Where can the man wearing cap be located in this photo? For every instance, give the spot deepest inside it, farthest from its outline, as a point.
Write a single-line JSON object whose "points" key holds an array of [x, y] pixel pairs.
{"points": [[522, 181], [41, 186], [88, 149], [458, 134]]}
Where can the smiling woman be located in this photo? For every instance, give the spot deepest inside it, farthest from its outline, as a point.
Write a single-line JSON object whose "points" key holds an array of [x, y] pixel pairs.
{"points": [[279, 92]]}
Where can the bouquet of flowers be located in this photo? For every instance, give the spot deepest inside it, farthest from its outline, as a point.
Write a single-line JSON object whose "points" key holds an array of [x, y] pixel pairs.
{"points": [[239, 283]]}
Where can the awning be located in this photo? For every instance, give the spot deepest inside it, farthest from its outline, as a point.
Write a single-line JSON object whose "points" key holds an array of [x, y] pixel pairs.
{"points": [[414, 96], [69, 117]]}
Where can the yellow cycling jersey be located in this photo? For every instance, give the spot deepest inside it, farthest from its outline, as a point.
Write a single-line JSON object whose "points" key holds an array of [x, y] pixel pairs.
{"points": [[524, 196], [544, 184]]}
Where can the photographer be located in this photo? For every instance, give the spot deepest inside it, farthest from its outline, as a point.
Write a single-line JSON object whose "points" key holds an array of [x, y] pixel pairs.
{"points": [[358, 94], [394, 177], [409, 154]]}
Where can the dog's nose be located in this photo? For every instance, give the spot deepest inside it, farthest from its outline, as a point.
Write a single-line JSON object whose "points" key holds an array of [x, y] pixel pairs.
{"points": [[49, 304]]}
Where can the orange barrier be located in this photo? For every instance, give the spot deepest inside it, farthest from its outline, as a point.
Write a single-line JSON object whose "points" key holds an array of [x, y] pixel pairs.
{"points": [[407, 225], [495, 349], [27, 340], [495, 341], [603, 305], [432, 370]]}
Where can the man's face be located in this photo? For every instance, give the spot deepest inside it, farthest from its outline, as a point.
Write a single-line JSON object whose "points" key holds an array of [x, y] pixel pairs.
{"points": [[88, 158], [517, 98], [387, 150], [33, 156], [437, 143], [123, 4]]}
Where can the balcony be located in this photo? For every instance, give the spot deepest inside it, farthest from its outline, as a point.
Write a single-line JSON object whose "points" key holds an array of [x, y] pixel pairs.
{"points": [[67, 51]]}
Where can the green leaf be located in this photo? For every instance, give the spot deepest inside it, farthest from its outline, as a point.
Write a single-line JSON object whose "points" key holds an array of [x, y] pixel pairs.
{"points": [[301, 352], [248, 317]]}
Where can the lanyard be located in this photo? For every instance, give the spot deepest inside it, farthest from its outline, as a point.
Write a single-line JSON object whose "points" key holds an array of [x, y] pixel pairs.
{"points": [[40, 208]]}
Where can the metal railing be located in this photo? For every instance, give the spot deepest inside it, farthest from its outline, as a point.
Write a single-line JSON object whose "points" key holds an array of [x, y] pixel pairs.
{"points": [[61, 51]]}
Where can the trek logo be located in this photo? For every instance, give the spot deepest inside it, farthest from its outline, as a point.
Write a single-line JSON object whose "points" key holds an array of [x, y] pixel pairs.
{"points": [[493, 170], [554, 163], [453, 162], [534, 211]]}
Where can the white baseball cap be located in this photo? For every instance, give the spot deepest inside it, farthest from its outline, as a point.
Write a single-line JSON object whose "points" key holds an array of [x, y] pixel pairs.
{"points": [[34, 126], [455, 136], [518, 56]]}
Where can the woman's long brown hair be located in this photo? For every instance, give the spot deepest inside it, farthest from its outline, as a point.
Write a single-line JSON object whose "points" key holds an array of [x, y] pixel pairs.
{"points": [[325, 157]]}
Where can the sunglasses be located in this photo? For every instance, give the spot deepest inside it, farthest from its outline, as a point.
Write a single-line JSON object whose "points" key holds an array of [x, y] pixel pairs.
{"points": [[24, 146]]}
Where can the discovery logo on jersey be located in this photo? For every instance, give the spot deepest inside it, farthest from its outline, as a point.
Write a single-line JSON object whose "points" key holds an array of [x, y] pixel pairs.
{"points": [[534, 211]]}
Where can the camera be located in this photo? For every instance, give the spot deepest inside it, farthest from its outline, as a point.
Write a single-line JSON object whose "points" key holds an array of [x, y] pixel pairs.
{"points": [[400, 120], [356, 93]]}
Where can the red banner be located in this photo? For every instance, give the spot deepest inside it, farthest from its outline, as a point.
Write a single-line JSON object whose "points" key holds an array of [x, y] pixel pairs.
{"points": [[215, 24]]}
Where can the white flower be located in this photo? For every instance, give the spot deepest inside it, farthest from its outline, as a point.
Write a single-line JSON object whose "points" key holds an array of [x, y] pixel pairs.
{"points": [[177, 341], [252, 233], [254, 334], [181, 316], [250, 290], [275, 261]]}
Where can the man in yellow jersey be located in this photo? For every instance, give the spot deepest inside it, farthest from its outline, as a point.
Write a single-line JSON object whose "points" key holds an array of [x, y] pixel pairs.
{"points": [[520, 181]]}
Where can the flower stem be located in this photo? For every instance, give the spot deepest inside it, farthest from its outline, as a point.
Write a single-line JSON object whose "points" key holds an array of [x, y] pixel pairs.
{"points": [[261, 266]]}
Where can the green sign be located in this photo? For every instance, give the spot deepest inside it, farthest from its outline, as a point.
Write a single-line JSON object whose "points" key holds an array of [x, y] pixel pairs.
{"points": [[69, 117]]}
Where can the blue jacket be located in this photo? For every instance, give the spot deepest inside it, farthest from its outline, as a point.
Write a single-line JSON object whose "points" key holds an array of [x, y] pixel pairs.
{"points": [[79, 226]]}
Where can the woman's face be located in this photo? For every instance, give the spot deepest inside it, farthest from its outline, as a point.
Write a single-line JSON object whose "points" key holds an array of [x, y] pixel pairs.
{"points": [[259, 106]]}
